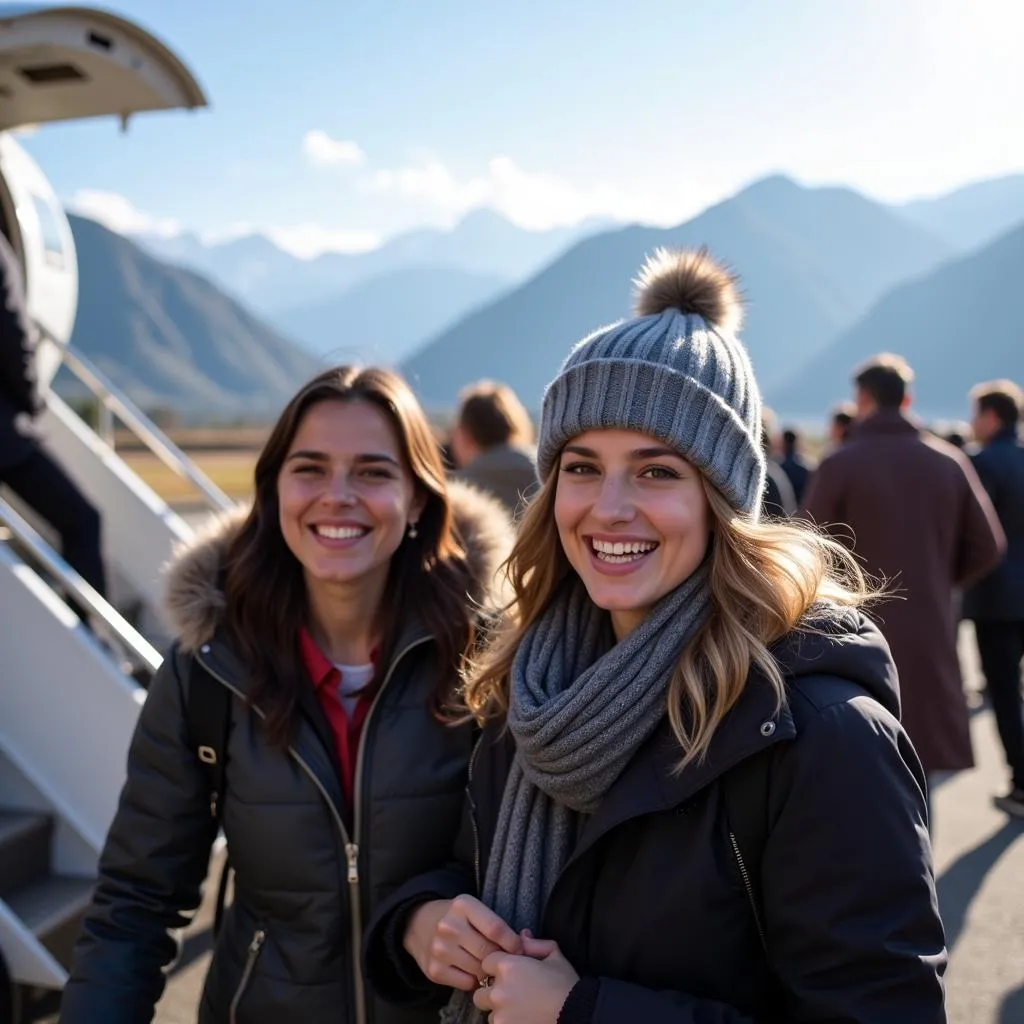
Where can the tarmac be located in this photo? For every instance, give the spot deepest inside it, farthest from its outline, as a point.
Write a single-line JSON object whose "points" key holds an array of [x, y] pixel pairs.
{"points": [[979, 861]]}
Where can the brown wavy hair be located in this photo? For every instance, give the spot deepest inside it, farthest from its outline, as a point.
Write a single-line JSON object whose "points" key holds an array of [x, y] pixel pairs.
{"points": [[429, 575], [765, 578]]}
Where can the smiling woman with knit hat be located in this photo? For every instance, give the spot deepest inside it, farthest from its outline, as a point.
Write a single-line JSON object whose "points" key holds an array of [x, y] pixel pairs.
{"points": [[692, 801]]}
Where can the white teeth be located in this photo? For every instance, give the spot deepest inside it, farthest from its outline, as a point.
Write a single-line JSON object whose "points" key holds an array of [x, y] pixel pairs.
{"points": [[637, 547], [339, 532], [618, 551]]}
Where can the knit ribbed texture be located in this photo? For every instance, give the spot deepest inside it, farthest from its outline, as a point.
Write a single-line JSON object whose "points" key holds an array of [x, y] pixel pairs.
{"points": [[580, 707], [671, 376]]}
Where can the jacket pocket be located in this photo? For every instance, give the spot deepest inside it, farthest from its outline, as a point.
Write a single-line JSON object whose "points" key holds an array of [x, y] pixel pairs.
{"points": [[258, 938]]}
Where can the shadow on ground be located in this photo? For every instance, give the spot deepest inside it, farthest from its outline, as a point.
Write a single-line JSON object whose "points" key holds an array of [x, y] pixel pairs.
{"points": [[1012, 1009], [960, 882]]}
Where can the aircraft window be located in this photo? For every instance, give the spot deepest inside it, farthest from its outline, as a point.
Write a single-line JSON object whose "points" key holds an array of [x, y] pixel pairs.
{"points": [[102, 42], [43, 74], [53, 245]]}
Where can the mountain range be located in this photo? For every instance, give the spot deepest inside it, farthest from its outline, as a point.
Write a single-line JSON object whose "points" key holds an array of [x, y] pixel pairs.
{"points": [[811, 262], [329, 304], [170, 338], [252, 268], [829, 276], [384, 317], [958, 326], [974, 215]]}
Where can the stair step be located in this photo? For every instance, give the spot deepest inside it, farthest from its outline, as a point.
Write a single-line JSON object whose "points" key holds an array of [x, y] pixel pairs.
{"points": [[24, 849], [46, 906], [53, 910]]}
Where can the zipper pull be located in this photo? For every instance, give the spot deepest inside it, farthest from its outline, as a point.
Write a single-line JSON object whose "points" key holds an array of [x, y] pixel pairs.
{"points": [[352, 853], [258, 938]]}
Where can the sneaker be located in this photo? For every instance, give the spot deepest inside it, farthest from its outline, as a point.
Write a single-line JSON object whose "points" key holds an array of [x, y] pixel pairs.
{"points": [[1012, 803]]}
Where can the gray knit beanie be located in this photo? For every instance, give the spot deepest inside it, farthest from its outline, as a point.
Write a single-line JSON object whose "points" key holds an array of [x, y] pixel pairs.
{"points": [[675, 371]]}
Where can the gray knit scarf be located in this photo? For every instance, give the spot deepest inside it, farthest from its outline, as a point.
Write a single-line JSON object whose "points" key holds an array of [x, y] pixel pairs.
{"points": [[580, 707]]}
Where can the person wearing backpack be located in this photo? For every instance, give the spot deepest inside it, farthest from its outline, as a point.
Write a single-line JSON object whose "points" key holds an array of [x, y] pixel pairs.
{"points": [[336, 615], [692, 800]]}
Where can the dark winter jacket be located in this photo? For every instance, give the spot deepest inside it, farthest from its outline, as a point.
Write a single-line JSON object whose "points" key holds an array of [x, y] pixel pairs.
{"points": [[652, 909], [19, 396], [1000, 595], [506, 471], [304, 879], [778, 500], [796, 468]]}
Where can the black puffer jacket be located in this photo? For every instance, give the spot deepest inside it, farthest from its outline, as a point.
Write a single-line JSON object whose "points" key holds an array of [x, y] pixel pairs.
{"points": [[19, 395], [304, 879], [652, 909]]}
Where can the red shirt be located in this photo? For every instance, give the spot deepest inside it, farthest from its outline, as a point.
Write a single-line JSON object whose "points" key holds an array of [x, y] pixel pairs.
{"points": [[326, 679]]}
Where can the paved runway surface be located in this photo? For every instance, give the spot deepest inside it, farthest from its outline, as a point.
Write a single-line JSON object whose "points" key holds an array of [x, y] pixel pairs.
{"points": [[979, 857]]}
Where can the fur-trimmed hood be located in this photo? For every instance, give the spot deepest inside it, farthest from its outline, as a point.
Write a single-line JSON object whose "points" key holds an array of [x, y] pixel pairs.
{"points": [[196, 603]]}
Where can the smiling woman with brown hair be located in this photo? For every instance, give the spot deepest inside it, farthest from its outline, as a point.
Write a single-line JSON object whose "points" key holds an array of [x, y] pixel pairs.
{"points": [[693, 800], [337, 616]]}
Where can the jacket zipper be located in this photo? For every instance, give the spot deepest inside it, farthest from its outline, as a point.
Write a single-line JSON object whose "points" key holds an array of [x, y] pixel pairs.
{"points": [[472, 817], [351, 848], [750, 890], [258, 938]]}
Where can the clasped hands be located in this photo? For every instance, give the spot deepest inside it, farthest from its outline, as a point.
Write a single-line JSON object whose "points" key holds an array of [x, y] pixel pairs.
{"points": [[514, 977]]}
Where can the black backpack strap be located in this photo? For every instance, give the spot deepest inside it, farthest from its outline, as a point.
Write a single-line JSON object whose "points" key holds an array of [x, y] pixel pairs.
{"points": [[209, 720], [746, 808], [209, 717]]}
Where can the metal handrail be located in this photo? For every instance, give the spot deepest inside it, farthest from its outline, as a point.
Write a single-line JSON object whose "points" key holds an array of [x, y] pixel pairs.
{"points": [[133, 640], [113, 400]]}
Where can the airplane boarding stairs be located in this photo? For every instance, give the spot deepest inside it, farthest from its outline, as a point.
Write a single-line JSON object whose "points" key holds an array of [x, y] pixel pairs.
{"points": [[68, 703]]}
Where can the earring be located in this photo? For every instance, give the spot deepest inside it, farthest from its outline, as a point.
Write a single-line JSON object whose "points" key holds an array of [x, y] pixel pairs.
{"points": [[413, 532]]}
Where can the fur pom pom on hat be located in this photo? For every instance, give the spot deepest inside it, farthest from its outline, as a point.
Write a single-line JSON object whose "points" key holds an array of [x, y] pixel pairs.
{"points": [[675, 371], [689, 281]]}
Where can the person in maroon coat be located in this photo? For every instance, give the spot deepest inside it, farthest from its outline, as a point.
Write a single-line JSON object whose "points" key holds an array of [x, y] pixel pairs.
{"points": [[912, 508]]}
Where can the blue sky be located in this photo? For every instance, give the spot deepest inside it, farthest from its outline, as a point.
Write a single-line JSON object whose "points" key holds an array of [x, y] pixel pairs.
{"points": [[335, 123]]}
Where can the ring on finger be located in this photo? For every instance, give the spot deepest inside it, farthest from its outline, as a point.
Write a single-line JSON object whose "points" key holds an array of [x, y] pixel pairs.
{"points": [[485, 982]]}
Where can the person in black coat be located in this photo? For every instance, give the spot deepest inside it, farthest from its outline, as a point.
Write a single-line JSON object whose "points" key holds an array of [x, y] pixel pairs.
{"points": [[794, 464], [332, 616], [996, 603], [692, 801], [779, 498], [25, 466]]}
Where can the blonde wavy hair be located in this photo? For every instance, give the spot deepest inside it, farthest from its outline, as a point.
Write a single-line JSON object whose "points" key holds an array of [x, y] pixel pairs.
{"points": [[765, 578]]}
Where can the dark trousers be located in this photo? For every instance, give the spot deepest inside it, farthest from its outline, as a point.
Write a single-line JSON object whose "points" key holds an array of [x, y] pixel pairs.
{"points": [[44, 486], [1001, 648]]}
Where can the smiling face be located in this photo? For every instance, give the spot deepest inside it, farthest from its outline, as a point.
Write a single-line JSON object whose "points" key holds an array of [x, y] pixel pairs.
{"points": [[633, 520], [346, 496]]}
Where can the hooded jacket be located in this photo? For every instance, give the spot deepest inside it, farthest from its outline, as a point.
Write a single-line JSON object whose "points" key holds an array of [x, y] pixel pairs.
{"points": [[308, 870], [652, 909]]}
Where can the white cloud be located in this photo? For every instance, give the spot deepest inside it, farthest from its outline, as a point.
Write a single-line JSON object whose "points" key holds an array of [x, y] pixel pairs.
{"points": [[218, 236], [119, 214], [433, 183], [323, 151], [534, 200], [310, 240], [306, 240]]}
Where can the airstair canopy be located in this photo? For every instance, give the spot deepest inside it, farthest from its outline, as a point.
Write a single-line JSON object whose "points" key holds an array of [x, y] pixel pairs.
{"points": [[62, 63]]}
